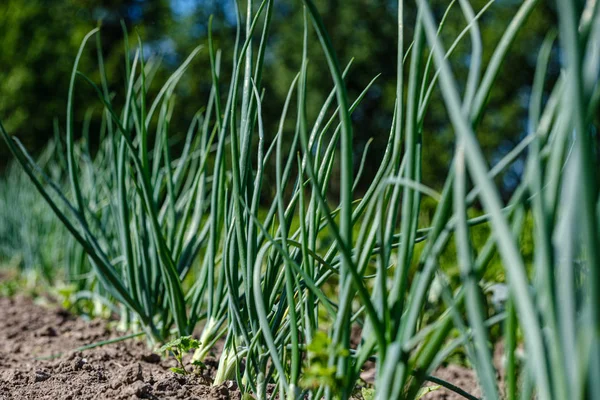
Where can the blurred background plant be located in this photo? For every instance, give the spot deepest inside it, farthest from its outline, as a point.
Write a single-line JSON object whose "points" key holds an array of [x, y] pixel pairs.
{"points": [[32, 239]]}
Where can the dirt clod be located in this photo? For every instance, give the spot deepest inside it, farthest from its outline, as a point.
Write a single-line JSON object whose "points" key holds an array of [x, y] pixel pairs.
{"points": [[78, 363], [48, 331], [168, 385], [40, 376], [151, 358]]}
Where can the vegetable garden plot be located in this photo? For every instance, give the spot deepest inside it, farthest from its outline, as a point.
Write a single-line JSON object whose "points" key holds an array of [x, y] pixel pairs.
{"points": [[175, 236]]}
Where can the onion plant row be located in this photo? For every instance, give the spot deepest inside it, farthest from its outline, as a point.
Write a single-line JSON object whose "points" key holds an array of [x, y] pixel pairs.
{"points": [[180, 236], [30, 237]]}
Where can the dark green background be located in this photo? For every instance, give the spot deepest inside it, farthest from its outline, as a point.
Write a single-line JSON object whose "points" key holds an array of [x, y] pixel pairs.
{"points": [[39, 41]]}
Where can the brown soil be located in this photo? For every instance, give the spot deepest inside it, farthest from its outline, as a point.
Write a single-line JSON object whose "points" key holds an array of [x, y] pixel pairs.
{"points": [[461, 377], [37, 361], [125, 370], [465, 379]]}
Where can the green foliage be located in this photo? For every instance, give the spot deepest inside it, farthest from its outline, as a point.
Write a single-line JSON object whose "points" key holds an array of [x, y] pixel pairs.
{"points": [[317, 372], [361, 30], [12, 284], [172, 230], [179, 347], [368, 393], [425, 390], [39, 39], [31, 237]]}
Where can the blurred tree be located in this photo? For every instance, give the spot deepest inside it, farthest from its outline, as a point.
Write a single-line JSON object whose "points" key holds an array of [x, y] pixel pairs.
{"points": [[39, 40], [38, 43]]}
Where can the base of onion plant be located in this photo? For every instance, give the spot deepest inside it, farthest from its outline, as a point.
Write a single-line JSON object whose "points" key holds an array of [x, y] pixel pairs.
{"points": [[229, 361], [210, 334]]}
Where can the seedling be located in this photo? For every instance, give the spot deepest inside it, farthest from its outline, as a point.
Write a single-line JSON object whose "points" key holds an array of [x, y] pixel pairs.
{"points": [[317, 372], [179, 347]]}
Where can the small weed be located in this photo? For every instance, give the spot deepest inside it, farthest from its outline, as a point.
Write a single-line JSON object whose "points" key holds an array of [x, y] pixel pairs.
{"points": [[368, 393], [179, 347], [317, 372]]}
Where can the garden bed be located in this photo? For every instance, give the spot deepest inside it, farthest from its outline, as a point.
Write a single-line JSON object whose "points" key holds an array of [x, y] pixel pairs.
{"points": [[31, 333], [38, 361]]}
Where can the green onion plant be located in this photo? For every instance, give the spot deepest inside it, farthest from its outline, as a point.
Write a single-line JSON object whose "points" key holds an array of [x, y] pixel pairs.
{"points": [[179, 236]]}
